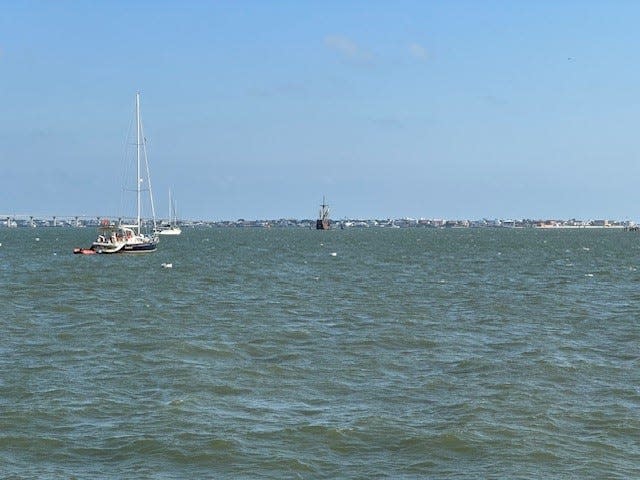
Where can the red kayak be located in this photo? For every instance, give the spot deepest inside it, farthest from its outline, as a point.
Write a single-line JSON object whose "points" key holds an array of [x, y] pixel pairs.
{"points": [[84, 251]]}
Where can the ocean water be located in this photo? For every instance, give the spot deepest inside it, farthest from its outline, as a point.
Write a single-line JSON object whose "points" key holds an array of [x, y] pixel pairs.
{"points": [[261, 354]]}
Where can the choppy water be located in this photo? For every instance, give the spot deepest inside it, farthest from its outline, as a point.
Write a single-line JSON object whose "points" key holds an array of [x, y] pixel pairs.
{"points": [[408, 354]]}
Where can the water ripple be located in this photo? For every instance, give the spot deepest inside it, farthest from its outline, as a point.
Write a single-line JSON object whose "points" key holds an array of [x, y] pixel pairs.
{"points": [[409, 354]]}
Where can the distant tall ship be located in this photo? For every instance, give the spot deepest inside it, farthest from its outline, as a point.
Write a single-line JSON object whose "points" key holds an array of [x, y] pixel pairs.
{"points": [[323, 222]]}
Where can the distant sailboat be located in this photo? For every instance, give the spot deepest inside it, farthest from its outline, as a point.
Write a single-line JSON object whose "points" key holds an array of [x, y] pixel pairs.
{"points": [[121, 238], [172, 227], [323, 222]]}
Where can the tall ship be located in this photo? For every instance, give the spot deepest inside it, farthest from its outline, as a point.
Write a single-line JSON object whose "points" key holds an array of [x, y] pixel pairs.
{"points": [[323, 222], [129, 238]]}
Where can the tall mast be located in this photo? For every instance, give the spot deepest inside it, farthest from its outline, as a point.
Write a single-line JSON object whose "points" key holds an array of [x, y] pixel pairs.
{"points": [[324, 212], [138, 145]]}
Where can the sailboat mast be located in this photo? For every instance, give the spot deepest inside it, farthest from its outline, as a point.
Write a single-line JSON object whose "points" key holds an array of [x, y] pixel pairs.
{"points": [[138, 145]]}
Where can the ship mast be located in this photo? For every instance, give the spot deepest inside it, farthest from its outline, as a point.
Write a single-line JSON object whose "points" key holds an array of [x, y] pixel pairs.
{"points": [[324, 213], [171, 210], [138, 146]]}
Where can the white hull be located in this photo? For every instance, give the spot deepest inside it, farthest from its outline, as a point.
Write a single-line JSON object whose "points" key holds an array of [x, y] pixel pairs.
{"points": [[169, 231], [122, 239]]}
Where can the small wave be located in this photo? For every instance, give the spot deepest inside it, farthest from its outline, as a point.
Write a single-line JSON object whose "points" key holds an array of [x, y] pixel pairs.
{"points": [[227, 389], [30, 443]]}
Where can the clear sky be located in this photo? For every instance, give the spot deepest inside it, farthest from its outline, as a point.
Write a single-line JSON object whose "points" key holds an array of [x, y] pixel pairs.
{"points": [[256, 109]]}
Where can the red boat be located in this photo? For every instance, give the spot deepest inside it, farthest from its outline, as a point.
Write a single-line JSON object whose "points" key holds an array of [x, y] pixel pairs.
{"points": [[84, 251]]}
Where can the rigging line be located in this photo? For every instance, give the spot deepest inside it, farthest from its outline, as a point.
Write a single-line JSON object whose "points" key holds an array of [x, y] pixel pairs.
{"points": [[125, 159], [146, 162]]}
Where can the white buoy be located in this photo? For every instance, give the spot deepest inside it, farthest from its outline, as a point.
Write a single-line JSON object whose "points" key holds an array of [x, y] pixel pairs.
{"points": [[37, 239], [334, 254]]}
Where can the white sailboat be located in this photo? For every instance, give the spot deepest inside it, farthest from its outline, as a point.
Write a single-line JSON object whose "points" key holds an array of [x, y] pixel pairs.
{"points": [[129, 238], [171, 228]]}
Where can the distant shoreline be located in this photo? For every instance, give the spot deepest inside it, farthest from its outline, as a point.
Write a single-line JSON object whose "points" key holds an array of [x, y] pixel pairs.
{"points": [[22, 221]]}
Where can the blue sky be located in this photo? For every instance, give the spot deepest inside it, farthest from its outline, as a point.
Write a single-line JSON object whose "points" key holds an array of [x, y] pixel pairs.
{"points": [[256, 109]]}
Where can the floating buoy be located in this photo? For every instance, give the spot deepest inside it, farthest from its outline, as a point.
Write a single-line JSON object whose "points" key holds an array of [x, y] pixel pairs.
{"points": [[334, 254], [37, 239]]}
